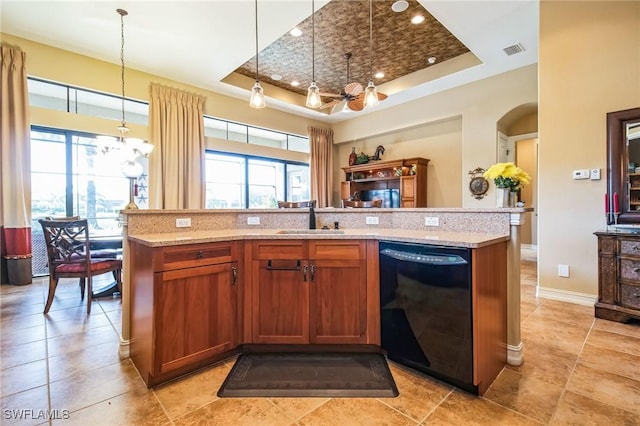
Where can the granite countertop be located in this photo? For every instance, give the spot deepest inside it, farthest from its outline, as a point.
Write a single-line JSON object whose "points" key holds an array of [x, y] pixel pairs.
{"points": [[456, 239]]}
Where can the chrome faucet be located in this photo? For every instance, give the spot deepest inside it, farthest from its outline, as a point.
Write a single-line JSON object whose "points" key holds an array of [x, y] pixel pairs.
{"points": [[312, 217]]}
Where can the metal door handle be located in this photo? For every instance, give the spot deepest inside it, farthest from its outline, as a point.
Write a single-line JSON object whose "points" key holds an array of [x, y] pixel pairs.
{"points": [[313, 273], [286, 268], [234, 275]]}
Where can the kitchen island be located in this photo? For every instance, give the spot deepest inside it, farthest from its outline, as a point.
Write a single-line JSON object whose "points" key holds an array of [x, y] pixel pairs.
{"points": [[222, 259]]}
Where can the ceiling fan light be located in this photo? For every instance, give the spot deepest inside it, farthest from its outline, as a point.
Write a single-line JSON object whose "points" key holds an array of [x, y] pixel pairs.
{"points": [[370, 95], [313, 96], [257, 97]]}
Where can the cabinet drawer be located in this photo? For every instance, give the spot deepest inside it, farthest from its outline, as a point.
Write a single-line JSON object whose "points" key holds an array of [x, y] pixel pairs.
{"points": [[337, 249], [630, 269], [190, 256], [269, 250], [630, 247], [630, 296]]}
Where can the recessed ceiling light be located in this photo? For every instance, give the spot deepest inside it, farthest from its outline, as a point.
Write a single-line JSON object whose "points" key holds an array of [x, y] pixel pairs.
{"points": [[379, 74], [295, 83], [431, 60], [276, 77], [417, 19], [400, 6], [296, 32]]}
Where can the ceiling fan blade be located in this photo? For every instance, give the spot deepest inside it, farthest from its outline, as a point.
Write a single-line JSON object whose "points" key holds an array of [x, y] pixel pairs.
{"points": [[382, 96], [357, 104], [353, 89], [329, 104], [330, 95]]}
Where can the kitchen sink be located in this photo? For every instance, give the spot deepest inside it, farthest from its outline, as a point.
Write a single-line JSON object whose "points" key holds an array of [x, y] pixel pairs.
{"points": [[311, 231]]}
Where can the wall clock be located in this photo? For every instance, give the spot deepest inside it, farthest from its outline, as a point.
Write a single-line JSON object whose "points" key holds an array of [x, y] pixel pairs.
{"points": [[478, 185]]}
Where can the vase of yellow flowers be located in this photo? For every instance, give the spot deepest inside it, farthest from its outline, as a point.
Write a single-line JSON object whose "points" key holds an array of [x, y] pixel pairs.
{"points": [[508, 178]]}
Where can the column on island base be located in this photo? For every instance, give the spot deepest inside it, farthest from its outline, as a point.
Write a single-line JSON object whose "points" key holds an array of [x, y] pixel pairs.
{"points": [[515, 354], [125, 333]]}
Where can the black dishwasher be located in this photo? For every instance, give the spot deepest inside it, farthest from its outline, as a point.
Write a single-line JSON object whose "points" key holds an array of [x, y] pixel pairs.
{"points": [[425, 309]]}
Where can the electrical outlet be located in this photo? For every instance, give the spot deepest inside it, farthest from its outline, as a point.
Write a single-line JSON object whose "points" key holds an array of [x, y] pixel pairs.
{"points": [[372, 220], [563, 271], [431, 221], [253, 220], [183, 222]]}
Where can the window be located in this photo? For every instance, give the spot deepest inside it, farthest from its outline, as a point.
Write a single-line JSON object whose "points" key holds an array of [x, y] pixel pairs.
{"points": [[70, 176], [236, 181], [63, 97], [60, 97]]}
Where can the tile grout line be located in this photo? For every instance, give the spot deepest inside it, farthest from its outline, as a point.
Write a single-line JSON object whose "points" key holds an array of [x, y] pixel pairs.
{"points": [[573, 369]]}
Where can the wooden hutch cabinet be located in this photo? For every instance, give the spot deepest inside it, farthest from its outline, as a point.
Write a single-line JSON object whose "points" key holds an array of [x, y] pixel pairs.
{"points": [[618, 276], [408, 176]]}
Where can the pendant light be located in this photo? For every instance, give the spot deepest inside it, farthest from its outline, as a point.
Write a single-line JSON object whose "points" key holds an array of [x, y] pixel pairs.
{"points": [[370, 93], [257, 94], [131, 147], [313, 93]]}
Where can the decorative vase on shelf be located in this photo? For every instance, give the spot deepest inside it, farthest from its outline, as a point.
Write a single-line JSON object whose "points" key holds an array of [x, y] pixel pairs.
{"points": [[353, 156], [502, 197], [513, 198]]}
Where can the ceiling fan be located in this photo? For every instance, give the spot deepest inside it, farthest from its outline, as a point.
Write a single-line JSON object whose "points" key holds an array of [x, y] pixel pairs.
{"points": [[352, 95]]}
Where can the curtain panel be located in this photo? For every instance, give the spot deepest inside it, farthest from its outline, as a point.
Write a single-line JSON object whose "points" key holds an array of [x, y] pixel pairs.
{"points": [[15, 156], [321, 167], [176, 166]]}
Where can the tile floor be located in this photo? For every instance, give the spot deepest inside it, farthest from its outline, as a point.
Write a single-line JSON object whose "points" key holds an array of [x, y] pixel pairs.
{"points": [[577, 370]]}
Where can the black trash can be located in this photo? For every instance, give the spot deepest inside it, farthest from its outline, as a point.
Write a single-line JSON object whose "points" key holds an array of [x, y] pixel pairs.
{"points": [[19, 269]]}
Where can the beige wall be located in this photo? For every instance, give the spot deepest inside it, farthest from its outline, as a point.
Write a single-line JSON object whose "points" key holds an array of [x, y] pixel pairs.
{"points": [[439, 142], [77, 70], [480, 105], [589, 64]]}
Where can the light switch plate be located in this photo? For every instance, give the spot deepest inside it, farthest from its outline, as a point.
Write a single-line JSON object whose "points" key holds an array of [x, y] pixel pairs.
{"points": [[253, 220], [372, 220]]}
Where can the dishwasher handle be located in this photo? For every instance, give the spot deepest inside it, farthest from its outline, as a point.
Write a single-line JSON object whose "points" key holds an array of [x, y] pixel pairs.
{"points": [[425, 258]]}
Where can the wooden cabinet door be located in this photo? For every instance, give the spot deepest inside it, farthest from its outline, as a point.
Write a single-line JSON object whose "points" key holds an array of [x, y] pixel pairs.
{"points": [[280, 301], [338, 286], [196, 314], [407, 191], [338, 311]]}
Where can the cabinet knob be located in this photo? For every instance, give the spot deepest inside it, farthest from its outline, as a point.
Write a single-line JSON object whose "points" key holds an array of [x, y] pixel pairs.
{"points": [[636, 269], [200, 254]]}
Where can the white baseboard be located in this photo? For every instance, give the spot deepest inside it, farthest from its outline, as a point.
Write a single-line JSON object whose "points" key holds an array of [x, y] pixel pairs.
{"points": [[529, 247], [514, 354], [567, 296], [124, 349]]}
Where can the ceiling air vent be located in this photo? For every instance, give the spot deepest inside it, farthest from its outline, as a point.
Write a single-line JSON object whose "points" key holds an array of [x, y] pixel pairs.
{"points": [[512, 50]]}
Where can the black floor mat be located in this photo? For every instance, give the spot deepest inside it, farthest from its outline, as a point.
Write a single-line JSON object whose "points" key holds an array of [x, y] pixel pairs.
{"points": [[309, 375]]}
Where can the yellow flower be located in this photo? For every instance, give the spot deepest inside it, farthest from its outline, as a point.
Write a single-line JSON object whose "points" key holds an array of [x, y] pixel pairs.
{"points": [[507, 175]]}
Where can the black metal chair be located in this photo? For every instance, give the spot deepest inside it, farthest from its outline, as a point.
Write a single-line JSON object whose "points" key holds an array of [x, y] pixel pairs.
{"points": [[69, 256]]}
